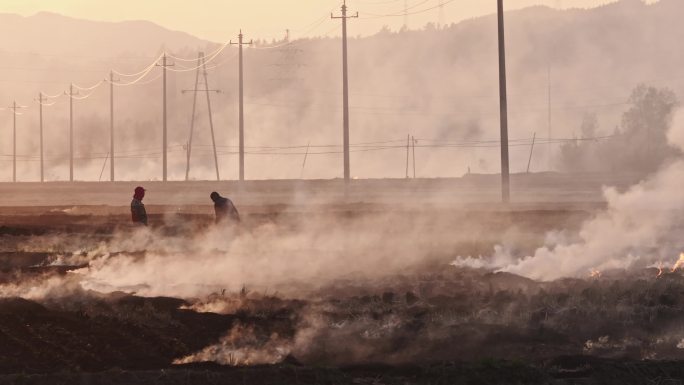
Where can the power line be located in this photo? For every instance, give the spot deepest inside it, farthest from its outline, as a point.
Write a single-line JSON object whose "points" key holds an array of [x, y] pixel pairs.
{"points": [[277, 150], [89, 88], [404, 14]]}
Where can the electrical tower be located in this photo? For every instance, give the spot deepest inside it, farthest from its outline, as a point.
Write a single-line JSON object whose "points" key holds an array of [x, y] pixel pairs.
{"points": [[201, 63], [241, 118], [345, 89], [503, 104], [288, 63]]}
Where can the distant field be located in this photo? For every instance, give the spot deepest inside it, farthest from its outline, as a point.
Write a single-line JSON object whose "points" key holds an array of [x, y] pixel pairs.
{"points": [[545, 189]]}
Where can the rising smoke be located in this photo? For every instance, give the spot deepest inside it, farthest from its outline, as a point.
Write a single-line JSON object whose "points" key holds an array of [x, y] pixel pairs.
{"points": [[641, 227]]}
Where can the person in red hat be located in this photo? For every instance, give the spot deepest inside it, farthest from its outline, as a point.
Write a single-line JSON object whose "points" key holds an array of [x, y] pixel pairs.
{"points": [[138, 213]]}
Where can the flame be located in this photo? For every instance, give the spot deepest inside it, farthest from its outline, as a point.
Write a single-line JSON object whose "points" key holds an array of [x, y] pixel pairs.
{"points": [[595, 274], [660, 269], [679, 264]]}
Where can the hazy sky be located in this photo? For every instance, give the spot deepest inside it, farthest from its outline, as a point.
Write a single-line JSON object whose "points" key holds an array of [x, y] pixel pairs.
{"points": [[219, 20]]}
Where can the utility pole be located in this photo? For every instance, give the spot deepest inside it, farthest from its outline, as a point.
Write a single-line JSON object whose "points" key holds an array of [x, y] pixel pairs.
{"points": [[71, 131], [549, 117], [164, 65], [408, 142], [111, 126], [14, 141], [201, 63], [241, 118], [345, 89], [41, 99], [14, 108], [503, 105], [413, 141]]}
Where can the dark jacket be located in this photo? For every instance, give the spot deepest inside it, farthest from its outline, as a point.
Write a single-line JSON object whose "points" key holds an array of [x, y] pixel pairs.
{"points": [[138, 213], [225, 209]]}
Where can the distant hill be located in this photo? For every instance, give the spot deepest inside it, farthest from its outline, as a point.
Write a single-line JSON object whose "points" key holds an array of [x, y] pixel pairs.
{"points": [[50, 33], [437, 84]]}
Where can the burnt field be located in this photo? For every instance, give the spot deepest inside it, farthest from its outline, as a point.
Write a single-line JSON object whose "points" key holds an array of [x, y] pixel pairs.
{"points": [[346, 292]]}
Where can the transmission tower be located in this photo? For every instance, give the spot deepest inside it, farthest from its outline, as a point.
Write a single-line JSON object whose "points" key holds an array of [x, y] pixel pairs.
{"points": [[201, 63], [288, 63]]}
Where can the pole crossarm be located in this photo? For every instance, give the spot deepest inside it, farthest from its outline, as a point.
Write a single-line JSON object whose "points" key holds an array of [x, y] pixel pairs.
{"points": [[201, 90]]}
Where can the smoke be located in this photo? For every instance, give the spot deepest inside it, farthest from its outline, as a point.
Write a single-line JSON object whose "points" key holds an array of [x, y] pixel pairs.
{"points": [[640, 227], [400, 83], [292, 256]]}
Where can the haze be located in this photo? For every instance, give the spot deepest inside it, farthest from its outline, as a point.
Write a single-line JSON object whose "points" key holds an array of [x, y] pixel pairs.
{"points": [[219, 20], [402, 84]]}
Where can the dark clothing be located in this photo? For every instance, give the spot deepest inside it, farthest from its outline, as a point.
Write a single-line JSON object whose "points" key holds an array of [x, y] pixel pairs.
{"points": [[225, 209], [138, 213]]}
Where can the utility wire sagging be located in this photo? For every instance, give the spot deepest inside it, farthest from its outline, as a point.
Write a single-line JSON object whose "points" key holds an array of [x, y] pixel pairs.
{"points": [[402, 106]]}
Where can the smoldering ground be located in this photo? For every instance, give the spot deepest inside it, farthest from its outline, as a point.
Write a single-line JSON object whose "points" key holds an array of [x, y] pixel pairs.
{"points": [[377, 283], [330, 286], [290, 267]]}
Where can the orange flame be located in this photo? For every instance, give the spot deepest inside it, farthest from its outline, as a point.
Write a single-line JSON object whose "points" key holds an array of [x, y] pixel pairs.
{"points": [[679, 264], [660, 269], [595, 274]]}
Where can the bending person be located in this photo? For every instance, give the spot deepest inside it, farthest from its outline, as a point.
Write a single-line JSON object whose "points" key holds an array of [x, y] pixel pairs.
{"points": [[224, 208]]}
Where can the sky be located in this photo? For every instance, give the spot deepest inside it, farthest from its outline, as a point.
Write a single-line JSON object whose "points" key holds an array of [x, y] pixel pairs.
{"points": [[220, 20]]}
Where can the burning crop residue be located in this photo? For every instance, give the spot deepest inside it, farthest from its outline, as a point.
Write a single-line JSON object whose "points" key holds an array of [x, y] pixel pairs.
{"points": [[679, 264], [242, 347]]}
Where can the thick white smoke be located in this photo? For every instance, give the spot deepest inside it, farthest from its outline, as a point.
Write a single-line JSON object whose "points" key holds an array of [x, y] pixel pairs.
{"points": [[640, 227], [292, 258]]}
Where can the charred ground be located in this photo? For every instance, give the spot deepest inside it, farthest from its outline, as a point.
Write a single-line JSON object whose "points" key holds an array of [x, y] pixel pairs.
{"points": [[434, 323]]}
